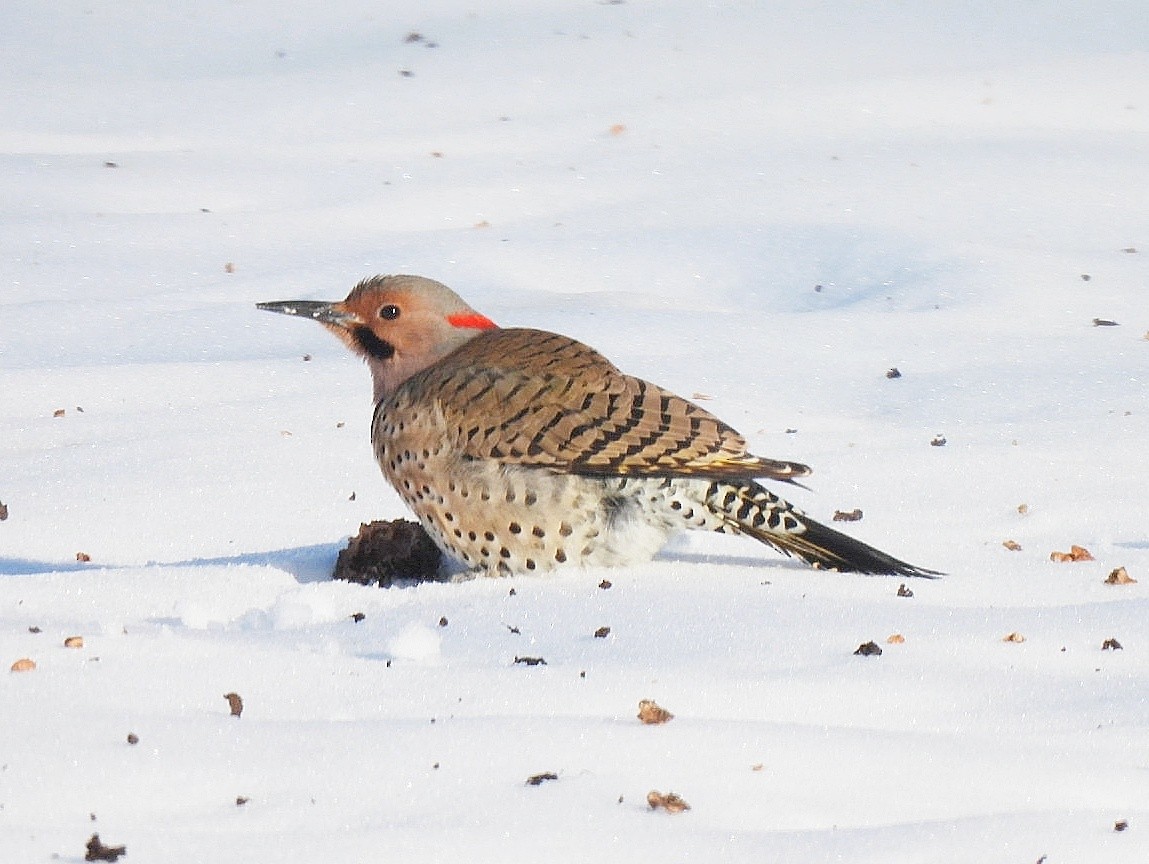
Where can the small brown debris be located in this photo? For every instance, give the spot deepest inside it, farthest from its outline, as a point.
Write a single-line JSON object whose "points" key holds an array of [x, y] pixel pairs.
{"points": [[59, 412], [893, 372], [357, 617], [847, 516], [1013, 637], [869, 649], [1023, 509], [1121, 825], [903, 591], [235, 703], [111, 164], [34, 629], [406, 73], [605, 584], [482, 223], [240, 800], [443, 621], [530, 661], [1120, 576], [229, 267], [3, 511], [757, 766], [24, 664], [1111, 645], [1130, 250], [540, 779], [133, 738], [938, 441], [97, 851], [671, 802], [413, 36], [895, 639], [617, 129], [513, 629], [651, 713], [1011, 545], [1104, 322], [83, 557], [74, 642], [384, 553], [1075, 553], [601, 632], [307, 359]]}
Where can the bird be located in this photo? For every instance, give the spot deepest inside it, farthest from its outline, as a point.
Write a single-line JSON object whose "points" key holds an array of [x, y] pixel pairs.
{"points": [[522, 451]]}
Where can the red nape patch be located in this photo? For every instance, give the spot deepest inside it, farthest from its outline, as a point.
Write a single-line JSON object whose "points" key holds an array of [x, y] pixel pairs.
{"points": [[472, 321]]}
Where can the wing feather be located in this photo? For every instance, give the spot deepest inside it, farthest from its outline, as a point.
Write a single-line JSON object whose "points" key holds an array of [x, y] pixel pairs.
{"points": [[533, 398]]}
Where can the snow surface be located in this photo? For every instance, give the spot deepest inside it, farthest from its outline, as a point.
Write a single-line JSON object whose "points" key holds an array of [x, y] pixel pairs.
{"points": [[769, 205]]}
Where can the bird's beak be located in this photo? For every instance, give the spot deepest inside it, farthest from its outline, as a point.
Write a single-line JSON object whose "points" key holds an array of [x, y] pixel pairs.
{"points": [[316, 310]]}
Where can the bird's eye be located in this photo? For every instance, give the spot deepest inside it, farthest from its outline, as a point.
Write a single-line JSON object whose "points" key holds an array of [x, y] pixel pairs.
{"points": [[389, 312]]}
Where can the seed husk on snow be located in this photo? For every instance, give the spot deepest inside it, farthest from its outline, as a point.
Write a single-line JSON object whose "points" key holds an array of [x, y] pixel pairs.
{"points": [[671, 802], [651, 713]]}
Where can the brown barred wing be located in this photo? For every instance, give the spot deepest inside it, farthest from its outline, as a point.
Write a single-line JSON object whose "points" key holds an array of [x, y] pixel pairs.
{"points": [[533, 398]]}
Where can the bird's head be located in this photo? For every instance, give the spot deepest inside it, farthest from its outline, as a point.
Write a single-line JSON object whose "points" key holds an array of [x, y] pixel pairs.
{"points": [[399, 324]]}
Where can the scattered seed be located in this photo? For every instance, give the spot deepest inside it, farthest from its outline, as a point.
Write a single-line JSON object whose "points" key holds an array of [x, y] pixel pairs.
{"points": [[1104, 322], [540, 779], [1121, 825], [240, 800], [605, 584], [671, 802], [97, 851], [847, 516], [1011, 545], [1075, 553], [3, 511], [1111, 645], [530, 661], [869, 649], [74, 642], [1013, 637], [895, 639], [357, 617], [83, 557], [24, 664], [938, 441], [443, 621], [893, 372], [903, 591], [133, 738], [235, 703], [651, 713], [1120, 576], [601, 632]]}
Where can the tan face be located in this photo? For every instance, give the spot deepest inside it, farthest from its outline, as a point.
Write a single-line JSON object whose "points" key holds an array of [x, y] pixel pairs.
{"points": [[398, 324]]}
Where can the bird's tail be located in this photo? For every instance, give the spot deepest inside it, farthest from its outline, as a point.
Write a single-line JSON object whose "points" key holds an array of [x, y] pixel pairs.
{"points": [[748, 508]]}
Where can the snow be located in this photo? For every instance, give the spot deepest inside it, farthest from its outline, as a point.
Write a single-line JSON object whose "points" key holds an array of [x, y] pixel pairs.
{"points": [[769, 205]]}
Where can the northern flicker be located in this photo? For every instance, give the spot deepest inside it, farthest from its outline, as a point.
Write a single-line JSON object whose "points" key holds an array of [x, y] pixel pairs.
{"points": [[522, 450]]}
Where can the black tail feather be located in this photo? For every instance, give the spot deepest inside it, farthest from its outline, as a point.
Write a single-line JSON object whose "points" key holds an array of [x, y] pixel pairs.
{"points": [[750, 508], [828, 549]]}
